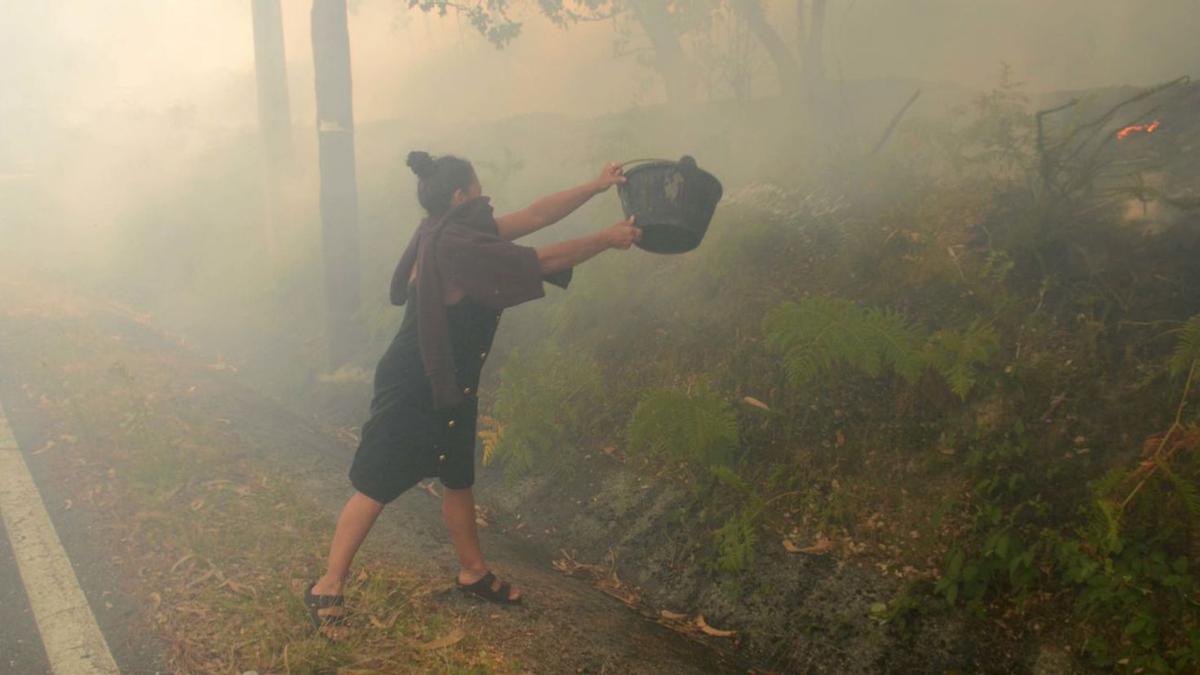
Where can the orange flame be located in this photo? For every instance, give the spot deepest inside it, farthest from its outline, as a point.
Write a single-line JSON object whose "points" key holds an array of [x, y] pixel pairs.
{"points": [[1148, 128]]}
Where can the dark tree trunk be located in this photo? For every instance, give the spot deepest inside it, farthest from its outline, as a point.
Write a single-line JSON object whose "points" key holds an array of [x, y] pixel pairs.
{"points": [[339, 196], [274, 112], [669, 58], [786, 66]]}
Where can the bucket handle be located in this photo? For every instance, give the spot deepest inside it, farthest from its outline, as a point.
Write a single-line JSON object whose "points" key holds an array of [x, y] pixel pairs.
{"points": [[644, 159], [686, 162]]}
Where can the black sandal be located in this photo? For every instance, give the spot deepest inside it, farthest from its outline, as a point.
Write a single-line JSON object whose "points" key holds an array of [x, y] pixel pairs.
{"points": [[483, 588], [314, 603]]}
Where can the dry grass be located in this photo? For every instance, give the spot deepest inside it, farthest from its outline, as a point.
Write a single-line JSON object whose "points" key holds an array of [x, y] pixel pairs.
{"points": [[216, 542]]}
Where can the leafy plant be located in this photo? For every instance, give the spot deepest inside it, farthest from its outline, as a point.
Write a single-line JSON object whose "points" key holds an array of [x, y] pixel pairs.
{"points": [[1005, 548], [1187, 349], [958, 356], [1001, 133], [817, 333], [694, 425], [736, 538], [546, 403], [735, 541]]}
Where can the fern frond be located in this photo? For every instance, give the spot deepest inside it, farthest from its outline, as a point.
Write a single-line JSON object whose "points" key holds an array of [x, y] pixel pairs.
{"points": [[699, 426], [735, 541], [490, 437], [818, 333], [1187, 349], [530, 385], [957, 357], [1185, 489], [1110, 523], [729, 477], [897, 342]]}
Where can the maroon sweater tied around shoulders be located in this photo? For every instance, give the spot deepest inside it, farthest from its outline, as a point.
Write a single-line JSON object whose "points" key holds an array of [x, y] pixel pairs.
{"points": [[463, 249]]}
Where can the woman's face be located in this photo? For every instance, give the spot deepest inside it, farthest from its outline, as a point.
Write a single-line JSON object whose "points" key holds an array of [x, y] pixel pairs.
{"points": [[473, 191]]}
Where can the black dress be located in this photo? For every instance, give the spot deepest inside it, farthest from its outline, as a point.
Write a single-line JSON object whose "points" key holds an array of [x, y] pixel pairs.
{"points": [[405, 439]]}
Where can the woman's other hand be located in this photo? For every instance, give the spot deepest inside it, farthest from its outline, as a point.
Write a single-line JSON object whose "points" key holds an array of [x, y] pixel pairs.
{"points": [[623, 234], [612, 175]]}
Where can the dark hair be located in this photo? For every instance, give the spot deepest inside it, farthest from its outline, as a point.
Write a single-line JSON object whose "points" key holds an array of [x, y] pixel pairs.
{"points": [[439, 178]]}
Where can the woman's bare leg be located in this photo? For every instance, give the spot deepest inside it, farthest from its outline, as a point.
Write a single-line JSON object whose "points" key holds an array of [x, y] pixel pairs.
{"points": [[458, 510], [358, 515]]}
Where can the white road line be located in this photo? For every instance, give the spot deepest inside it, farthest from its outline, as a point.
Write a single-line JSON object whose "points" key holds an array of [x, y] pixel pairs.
{"points": [[73, 641]]}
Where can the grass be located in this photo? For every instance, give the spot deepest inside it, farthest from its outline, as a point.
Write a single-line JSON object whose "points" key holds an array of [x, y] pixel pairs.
{"points": [[216, 542]]}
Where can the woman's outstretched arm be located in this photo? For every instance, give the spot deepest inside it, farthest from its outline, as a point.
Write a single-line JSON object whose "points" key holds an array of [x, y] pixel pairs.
{"points": [[549, 210], [563, 255]]}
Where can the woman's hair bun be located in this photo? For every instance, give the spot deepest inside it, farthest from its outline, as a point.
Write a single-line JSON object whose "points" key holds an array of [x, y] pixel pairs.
{"points": [[421, 163]]}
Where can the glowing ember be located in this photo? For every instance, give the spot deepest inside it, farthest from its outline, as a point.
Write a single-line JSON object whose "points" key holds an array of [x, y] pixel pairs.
{"points": [[1148, 128]]}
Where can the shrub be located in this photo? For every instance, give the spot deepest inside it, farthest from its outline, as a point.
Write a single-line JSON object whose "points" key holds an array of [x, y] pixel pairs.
{"points": [[547, 402], [695, 425]]}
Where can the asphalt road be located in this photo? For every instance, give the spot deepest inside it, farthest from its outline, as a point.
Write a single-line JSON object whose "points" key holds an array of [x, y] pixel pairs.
{"points": [[21, 648], [90, 581]]}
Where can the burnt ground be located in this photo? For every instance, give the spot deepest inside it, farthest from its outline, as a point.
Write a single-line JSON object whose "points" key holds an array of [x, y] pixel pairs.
{"points": [[53, 347]]}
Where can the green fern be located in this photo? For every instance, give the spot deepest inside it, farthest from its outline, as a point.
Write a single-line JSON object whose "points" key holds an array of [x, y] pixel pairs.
{"points": [[730, 478], [735, 541], [1106, 526], [958, 356], [1185, 489], [698, 426], [1187, 349], [546, 402], [818, 333]]}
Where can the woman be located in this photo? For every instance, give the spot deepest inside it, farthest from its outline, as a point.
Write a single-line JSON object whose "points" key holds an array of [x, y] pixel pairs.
{"points": [[459, 272]]}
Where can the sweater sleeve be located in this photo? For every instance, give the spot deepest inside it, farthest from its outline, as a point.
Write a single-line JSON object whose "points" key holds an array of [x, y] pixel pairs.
{"points": [[562, 278], [493, 272]]}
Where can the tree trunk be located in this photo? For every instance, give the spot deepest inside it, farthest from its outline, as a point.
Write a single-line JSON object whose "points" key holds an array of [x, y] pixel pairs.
{"points": [[669, 58], [786, 66], [339, 196], [274, 111], [814, 51], [270, 68]]}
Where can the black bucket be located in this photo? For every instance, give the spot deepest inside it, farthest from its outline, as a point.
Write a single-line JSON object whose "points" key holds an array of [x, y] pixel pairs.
{"points": [[672, 201]]}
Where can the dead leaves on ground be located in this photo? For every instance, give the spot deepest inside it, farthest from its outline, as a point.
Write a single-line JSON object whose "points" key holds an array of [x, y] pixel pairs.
{"points": [[603, 577], [452, 638], [822, 546], [750, 400], [429, 487], [709, 630], [66, 439], [681, 623], [384, 625]]}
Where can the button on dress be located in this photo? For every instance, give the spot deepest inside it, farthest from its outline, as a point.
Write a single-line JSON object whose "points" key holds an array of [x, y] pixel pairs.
{"points": [[407, 437], [406, 440]]}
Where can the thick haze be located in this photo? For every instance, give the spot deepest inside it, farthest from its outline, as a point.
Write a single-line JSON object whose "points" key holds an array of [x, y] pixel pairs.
{"points": [[104, 103]]}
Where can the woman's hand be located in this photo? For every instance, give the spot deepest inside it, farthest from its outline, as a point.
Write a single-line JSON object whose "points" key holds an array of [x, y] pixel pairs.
{"points": [[612, 175], [623, 234]]}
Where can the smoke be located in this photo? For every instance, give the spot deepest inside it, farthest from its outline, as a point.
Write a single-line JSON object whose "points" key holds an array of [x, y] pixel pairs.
{"points": [[128, 128]]}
